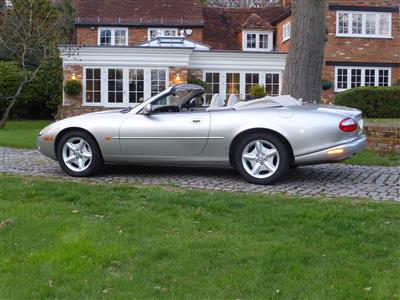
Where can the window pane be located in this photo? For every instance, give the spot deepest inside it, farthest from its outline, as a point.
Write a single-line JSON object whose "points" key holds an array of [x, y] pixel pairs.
{"points": [[341, 79], [232, 84], [384, 22], [357, 24], [251, 80], [93, 86], [105, 37], [251, 40], [212, 80], [272, 84], [343, 23], [369, 77], [370, 24], [355, 77], [383, 78], [89, 73], [89, 97], [120, 37], [263, 41], [97, 97]]}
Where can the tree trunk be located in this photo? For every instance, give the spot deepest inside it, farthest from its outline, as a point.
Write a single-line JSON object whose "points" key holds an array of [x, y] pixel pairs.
{"points": [[303, 72]]}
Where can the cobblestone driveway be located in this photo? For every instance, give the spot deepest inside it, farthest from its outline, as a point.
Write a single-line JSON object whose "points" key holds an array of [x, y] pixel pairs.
{"points": [[330, 180]]}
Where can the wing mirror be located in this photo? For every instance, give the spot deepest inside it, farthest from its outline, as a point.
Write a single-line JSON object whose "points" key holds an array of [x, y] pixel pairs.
{"points": [[148, 109]]}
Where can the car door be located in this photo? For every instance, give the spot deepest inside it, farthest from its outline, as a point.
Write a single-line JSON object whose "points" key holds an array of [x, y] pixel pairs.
{"points": [[165, 134]]}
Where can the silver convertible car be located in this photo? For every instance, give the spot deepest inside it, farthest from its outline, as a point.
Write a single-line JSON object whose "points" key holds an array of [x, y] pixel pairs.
{"points": [[261, 138]]}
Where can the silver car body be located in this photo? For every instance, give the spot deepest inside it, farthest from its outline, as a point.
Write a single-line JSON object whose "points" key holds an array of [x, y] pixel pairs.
{"points": [[208, 137]]}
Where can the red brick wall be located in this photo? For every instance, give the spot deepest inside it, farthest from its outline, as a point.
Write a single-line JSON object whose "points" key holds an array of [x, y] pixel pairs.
{"points": [[383, 138], [362, 49], [282, 46], [136, 35], [69, 71], [344, 49], [86, 36]]}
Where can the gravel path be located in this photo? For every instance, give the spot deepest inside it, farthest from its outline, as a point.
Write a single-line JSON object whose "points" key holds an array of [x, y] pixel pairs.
{"points": [[328, 180]]}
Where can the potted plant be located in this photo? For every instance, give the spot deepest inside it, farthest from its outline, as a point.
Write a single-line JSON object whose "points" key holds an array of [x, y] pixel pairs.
{"points": [[257, 91], [73, 87], [326, 85]]}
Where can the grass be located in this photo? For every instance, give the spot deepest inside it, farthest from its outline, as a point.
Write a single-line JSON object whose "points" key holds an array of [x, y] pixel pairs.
{"points": [[67, 240], [21, 134], [372, 158]]}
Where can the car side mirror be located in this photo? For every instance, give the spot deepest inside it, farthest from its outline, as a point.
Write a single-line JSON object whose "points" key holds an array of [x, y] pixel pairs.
{"points": [[148, 109]]}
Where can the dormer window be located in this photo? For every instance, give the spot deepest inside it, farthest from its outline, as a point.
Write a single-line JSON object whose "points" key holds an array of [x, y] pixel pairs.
{"points": [[257, 41], [161, 32], [112, 36]]}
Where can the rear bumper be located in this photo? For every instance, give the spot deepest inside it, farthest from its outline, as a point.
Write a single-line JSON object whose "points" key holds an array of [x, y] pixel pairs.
{"points": [[333, 154]]}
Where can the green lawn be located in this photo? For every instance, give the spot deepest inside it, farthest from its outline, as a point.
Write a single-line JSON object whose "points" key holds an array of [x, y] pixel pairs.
{"points": [[372, 158], [83, 241], [21, 134]]}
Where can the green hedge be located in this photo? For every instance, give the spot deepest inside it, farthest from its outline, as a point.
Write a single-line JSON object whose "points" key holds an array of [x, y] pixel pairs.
{"points": [[374, 102]]}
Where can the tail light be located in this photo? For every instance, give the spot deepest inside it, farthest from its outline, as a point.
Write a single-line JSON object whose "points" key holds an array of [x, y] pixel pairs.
{"points": [[348, 125]]}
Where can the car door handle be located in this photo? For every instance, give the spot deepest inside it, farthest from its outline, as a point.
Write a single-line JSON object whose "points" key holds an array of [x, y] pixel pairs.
{"points": [[196, 121]]}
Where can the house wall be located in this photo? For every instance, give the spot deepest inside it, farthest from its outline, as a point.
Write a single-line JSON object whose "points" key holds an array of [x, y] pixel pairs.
{"points": [[136, 35], [354, 49], [282, 46]]}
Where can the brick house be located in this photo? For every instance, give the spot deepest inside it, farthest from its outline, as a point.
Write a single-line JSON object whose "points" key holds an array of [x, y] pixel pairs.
{"points": [[126, 51]]}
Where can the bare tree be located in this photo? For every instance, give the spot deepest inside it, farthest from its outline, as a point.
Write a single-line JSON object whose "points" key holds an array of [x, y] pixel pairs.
{"points": [[241, 3], [303, 72], [28, 36]]}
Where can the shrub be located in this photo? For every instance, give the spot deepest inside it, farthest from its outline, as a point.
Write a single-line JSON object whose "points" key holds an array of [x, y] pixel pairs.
{"points": [[73, 87], [258, 91], [374, 102], [200, 82]]}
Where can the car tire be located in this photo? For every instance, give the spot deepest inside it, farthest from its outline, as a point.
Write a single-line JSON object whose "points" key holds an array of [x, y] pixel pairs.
{"points": [[78, 154], [262, 158]]}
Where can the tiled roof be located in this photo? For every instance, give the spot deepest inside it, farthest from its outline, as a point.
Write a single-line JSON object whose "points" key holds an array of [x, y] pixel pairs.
{"points": [[221, 24], [139, 12], [256, 22]]}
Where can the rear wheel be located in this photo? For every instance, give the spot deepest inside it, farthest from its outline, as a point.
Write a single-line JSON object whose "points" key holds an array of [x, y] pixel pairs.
{"points": [[262, 158], [78, 154]]}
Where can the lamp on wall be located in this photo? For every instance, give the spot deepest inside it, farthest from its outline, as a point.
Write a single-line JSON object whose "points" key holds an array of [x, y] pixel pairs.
{"points": [[73, 77], [178, 78]]}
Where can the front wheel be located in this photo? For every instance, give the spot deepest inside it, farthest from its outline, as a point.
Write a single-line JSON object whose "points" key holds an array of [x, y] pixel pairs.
{"points": [[78, 154], [262, 158]]}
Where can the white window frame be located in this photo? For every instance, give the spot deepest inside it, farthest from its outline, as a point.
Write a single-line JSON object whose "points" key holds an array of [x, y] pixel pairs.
{"points": [[363, 33], [112, 29], [286, 31], [104, 84], [261, 79], [257, 33], [377, 69], [162, 31]]}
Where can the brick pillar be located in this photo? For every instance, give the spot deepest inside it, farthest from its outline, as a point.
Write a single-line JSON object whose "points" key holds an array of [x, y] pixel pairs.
{"points": [[178, 75], [69, 72]]}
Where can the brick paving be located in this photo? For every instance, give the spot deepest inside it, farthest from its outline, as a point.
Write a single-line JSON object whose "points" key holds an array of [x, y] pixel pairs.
{"points": [[327, 180]]}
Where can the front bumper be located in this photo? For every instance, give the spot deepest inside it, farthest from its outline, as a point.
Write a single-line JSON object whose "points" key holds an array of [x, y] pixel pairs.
{"points": [[337, 153], [45, 144]]}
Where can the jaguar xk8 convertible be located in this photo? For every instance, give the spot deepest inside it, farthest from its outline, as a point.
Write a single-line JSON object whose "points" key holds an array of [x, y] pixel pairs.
{"points": [[261, 138]]}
